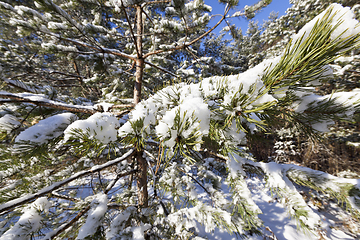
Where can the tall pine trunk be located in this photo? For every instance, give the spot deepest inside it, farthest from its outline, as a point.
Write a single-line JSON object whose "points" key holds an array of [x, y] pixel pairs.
{"points": [[139, 61], [141, 162]]}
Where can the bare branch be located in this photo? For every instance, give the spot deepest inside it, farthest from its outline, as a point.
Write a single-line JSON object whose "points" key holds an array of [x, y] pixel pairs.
{"points": [[161, 69], [68, 74], [131, 30], [132, 66], [20, 85], [121, 114], [147, 15]]}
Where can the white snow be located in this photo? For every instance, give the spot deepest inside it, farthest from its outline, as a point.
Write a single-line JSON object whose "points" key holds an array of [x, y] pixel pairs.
{"points": [[348, 25], [100, 126], [8, 122], [95, 216], [46, 129], [29, 221]]}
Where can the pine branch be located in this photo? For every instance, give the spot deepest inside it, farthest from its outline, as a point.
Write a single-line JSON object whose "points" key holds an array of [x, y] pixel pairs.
{"points": [[17, 202], [227, 8], [102, 50], [20, 85], [63, 227]]}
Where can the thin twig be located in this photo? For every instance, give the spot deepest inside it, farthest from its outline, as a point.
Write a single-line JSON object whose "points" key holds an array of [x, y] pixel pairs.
{"points": [[161, 69], [131, 30]]}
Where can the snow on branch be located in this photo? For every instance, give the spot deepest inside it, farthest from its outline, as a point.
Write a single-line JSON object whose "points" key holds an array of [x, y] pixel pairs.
{"points": [[21, 85], [40, 100], [19, 201]]}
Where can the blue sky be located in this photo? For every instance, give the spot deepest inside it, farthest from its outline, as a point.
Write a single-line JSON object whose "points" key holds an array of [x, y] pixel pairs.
{"points": [[279, 6]]}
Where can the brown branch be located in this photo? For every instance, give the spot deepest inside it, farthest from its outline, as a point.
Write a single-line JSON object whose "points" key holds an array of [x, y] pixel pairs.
{"points": [[195, 180], [122, 106], [68, 74], [13, 84], [161, 69], [22, 200], [57, 195], [147, 15], [227, 8], [122, 113], [132, 66], [67, 85], [116, 206], [193, 55]]}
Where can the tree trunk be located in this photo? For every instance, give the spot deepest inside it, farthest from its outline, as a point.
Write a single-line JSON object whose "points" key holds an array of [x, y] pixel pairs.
{"points": [[139, 60], [141, 179]]}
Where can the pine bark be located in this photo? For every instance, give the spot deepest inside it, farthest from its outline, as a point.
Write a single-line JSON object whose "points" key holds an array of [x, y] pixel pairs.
{"points": [[139, 60], [142, 180], [141, 162]]}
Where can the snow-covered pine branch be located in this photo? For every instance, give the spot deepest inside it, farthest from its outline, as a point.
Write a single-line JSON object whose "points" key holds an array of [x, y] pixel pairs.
{"points": [[25, 199]]}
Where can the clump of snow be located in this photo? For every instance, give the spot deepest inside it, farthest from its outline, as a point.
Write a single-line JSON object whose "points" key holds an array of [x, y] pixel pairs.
{"points": [[100, 126], [8, 122], [187, 218], [138, 232], [29, 221], [123, 3], [118, 221], [347, 99], [95, 215], [354, 144], [46, 129], [278, 181], [117, 227]]}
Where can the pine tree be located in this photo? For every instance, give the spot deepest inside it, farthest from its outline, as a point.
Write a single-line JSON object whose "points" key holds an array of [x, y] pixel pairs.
{"points": [[175, 169]]}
